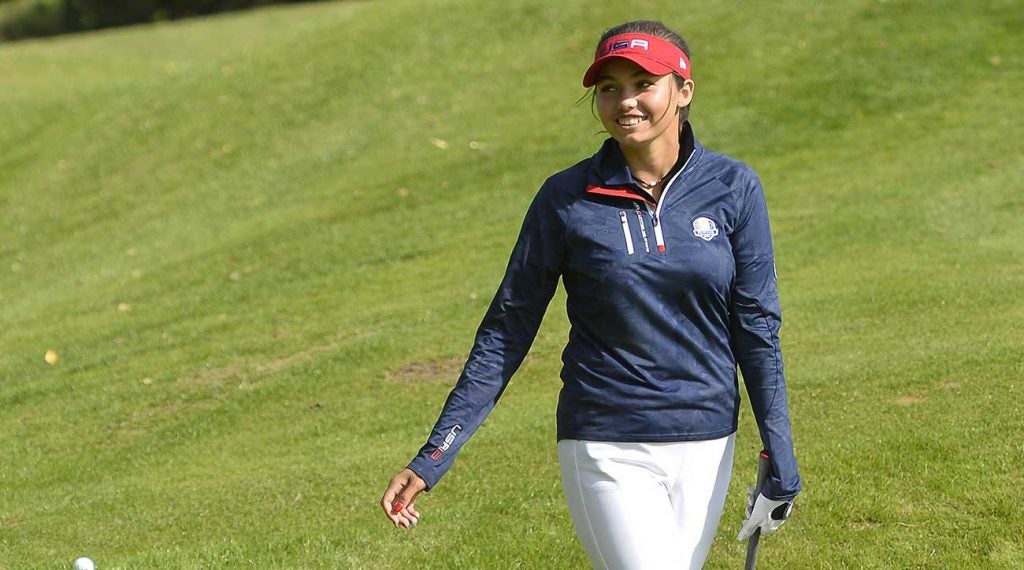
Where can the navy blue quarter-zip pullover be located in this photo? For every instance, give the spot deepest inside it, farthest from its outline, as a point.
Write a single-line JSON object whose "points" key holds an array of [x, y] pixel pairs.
{"points": [[664, 299]]}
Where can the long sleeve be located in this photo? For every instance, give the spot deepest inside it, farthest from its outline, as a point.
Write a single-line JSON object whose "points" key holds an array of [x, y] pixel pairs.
{"points": [[755, 320], [504, 337]]}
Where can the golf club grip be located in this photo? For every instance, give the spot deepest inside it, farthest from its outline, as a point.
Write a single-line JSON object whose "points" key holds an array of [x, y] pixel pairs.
{"points": [[763, 468]]}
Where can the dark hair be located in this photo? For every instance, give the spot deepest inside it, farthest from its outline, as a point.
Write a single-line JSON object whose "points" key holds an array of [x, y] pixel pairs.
{"points": [[656, 29]]}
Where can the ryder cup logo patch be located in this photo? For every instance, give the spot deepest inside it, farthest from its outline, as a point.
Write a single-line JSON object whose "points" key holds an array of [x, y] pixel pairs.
{"points": [[705, 228]]}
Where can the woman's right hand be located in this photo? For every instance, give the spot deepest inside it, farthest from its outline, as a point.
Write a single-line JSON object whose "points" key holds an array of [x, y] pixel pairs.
{"points": [[399, 498]]}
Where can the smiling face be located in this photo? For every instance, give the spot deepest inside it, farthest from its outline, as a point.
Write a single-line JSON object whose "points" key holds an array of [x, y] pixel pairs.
{"points": [[638, 108]]}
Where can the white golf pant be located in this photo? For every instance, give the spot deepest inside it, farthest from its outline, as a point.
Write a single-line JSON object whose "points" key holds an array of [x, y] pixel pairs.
{"points": [[646, 506]]}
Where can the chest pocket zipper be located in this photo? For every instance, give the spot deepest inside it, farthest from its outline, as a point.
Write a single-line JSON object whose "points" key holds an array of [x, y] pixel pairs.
{"points": [[643, 227], [626, 232]]}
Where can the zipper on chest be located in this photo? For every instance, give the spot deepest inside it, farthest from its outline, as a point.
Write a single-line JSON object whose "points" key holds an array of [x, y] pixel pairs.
{"points": [[626, 232], [643, 226], [642, 215], [659, 234]]}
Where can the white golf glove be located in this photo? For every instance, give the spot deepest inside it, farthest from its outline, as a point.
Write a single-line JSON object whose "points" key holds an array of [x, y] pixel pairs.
{"points": [[763, 513]]}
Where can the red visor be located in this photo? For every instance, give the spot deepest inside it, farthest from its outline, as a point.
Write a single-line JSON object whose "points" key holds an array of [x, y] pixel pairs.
{"points": [[655, 55]]}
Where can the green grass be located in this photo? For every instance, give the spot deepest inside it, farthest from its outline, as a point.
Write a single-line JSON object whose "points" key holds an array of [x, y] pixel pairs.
{"points": [[261, 272]]}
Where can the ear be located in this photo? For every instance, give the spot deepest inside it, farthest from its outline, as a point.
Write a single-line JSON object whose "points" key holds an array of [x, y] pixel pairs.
{"points": [[685, 94]]}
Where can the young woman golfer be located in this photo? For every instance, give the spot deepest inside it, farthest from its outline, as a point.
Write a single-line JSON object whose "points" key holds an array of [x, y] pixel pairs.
{"points": [[665, 252]]}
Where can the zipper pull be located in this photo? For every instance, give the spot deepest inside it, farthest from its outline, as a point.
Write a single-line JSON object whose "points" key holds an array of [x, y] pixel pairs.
{"points": [[659, 237]]}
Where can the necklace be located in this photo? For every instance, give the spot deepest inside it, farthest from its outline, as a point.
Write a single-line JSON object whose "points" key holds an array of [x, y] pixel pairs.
{"points": [[647, 185]]}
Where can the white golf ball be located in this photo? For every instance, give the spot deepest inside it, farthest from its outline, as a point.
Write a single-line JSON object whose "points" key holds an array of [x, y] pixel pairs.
{"points": [[84, 563]]}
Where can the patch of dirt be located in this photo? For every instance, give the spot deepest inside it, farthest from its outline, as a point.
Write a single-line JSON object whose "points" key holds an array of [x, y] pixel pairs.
{"points": [[429, 371], [908, 400]]}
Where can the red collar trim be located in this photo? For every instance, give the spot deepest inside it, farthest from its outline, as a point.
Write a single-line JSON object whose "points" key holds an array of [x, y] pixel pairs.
{"points": [[619, 193]]}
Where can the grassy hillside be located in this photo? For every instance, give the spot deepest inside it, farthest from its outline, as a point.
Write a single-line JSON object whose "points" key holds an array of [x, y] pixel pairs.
{"points": [[260, 245]]}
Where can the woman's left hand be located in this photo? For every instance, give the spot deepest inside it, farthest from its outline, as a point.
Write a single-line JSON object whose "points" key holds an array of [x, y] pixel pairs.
{"points": [[765, 514]]}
